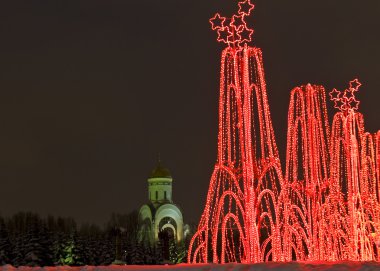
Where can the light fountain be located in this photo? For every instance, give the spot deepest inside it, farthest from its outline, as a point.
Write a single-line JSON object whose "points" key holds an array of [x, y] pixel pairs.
{"points": [[326, 206]]}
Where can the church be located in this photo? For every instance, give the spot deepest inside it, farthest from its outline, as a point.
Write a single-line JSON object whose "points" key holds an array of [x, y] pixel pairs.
{"points": [[160, 214]]}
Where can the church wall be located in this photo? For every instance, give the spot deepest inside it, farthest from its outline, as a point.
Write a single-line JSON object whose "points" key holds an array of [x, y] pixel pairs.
{"points": [[158, 187]]}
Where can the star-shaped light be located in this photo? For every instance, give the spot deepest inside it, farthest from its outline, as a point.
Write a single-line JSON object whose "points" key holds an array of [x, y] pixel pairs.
{"points": [[234, 36], [335, 94], [223, 34], [347, 101], [340, 104], [246, 34], [352, 103], [349, 93], [355, 84], [245, 7], [233, 30], [238, 22], [217, 21]]}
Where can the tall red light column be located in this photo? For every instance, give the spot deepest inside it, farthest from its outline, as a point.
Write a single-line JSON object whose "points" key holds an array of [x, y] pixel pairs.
{"points": [[239, 222], [306, 175], [353, 176]]}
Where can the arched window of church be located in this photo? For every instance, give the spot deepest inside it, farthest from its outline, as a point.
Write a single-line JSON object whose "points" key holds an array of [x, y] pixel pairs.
{"points": [[156, 194]]}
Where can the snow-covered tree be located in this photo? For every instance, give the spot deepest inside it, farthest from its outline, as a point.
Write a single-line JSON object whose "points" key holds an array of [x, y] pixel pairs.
{"points": [[177, 252], [38, 248], [6, 253]]}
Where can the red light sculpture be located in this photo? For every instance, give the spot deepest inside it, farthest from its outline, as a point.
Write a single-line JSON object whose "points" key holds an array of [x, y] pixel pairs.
{"points": [[355, 181], [239, 216], [327, 205], [306, 176]]}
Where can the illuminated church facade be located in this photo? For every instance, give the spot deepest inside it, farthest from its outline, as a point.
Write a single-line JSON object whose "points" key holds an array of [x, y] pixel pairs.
{"points": [[160, 214]]}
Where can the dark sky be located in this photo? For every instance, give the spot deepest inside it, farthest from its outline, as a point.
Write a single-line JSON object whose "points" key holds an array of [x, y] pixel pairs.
{"points": [[91, 91]]}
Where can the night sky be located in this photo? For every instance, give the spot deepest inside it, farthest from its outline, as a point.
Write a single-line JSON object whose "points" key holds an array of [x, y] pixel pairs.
{"points": [[91, 92]]}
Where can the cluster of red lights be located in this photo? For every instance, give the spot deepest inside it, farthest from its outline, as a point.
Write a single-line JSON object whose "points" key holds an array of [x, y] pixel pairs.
{"points": [[346, 100], [234, 31], [326, 207]]}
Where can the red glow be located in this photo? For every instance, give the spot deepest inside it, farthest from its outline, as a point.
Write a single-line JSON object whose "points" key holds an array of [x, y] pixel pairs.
{"points": [[326, 207]]}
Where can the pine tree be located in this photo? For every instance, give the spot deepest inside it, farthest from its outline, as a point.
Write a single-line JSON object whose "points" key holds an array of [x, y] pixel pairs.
{"points": [[107, 250], [177, 252], [78, 250], [17, 229], [67, 257], [71, 250], [149, 255], [136, 254], [38, 244], [60, 241], [91, 236], [19, 251], [158, 252], [96, 250], [5, 244], [88, 251]]}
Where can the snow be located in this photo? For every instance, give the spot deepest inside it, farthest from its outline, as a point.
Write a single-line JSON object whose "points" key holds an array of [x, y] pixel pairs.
{"points": [[290, 266]]}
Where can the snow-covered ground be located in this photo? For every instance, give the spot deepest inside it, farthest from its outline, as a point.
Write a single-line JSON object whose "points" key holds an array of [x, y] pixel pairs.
{"points": [[291, 266]]}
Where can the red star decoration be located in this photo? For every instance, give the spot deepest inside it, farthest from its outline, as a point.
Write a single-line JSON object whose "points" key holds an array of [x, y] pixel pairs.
{"points": [[223, 34], [355, 84], [228, 21], [349, 93], [238, 22], [340, 104], [353, 103], [246, 34], [233, 30], [217, 21], [335, 94], [245, 7], [347, 101], [234, 36]]}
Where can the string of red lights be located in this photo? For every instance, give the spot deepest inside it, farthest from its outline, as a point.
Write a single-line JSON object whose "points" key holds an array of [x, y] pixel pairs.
{"points": [[327, 204]]}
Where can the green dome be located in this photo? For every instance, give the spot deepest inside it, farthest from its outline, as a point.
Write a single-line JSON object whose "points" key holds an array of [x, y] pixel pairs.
{"points": [[160, 172]]}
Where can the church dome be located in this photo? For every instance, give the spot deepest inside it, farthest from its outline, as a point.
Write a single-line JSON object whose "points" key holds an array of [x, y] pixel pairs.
{"points": [[160, 172]]}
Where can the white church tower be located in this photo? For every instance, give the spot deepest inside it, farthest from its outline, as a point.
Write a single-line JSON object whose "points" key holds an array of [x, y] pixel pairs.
{"points": [[160, 213]]}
